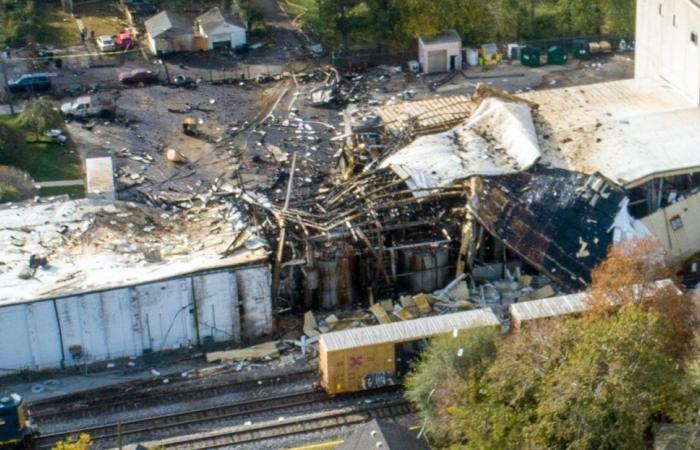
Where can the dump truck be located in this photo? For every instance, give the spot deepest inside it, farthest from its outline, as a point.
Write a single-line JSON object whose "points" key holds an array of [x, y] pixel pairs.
{"points": [[87, 106]]}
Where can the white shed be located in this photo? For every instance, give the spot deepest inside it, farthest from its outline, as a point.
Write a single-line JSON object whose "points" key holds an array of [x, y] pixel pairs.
{"points": [[169, 32], [221, 29], [442, 53]]}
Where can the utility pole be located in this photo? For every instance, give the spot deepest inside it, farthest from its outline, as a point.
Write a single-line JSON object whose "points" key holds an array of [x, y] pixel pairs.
{"points": [[7, 89]]}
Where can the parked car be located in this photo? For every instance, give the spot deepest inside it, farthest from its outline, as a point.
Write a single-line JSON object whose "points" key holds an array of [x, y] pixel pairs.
{"points": [[138, 76], [106, 43], [30, 82], [123, 41], [87, 106]]}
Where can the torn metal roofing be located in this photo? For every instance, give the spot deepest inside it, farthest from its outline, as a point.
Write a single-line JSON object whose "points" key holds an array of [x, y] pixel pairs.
{"points": [[560, 222], [425, 116], [408, 330], [630, 131], [498, 138]]}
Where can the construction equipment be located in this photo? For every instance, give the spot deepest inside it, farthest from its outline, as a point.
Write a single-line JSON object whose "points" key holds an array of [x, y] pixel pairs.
{"points": [[489, 54]]}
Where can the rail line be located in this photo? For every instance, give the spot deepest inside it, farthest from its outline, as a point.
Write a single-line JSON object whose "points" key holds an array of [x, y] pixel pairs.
{"points": [[123, 400], [252, 434], [144, 429]]}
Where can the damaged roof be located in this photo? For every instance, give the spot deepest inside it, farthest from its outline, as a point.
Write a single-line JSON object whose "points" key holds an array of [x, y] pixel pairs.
{"points": [[626, 130], [560, 222], [167, 23], [93, 245], [498, 138]]}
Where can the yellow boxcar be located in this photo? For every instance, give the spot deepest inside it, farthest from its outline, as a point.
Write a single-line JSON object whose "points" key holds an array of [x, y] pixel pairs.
{"points": [[364, 358]]}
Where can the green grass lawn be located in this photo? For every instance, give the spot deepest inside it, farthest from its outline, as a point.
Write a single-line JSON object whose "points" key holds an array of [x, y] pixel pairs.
{"points": [[45, 161], [104, 18], [52, 27], [72, 191]]}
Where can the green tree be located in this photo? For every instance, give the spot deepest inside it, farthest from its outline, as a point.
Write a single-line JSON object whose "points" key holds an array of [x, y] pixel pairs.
{"points": [[598, 381], [449, 363], [339, 18], [10, 142], [39, 115], [15, 185]]}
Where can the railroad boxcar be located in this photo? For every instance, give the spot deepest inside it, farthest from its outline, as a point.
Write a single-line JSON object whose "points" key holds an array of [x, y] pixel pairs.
{"points": [[534, 311], [16, 427], [371, 357]]}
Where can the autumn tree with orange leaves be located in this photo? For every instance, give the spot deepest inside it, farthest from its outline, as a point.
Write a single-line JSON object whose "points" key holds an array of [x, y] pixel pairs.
{"points": [[598, 381]]}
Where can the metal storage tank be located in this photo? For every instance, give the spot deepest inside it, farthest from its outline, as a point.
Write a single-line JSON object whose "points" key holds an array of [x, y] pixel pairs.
{"points": [[336, 281], [424, 270]]}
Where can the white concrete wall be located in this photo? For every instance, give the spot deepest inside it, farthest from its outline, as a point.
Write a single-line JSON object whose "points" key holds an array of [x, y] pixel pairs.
{"points": [[663, 45], [125, 322], [235, 35]]}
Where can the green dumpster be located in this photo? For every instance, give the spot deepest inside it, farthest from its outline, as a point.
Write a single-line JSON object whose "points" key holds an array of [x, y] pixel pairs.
{"points": [[556, 55], [530, 56], [581, 49]]}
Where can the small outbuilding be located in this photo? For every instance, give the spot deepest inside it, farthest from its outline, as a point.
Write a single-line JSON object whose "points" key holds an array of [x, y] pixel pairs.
{"points": [[442, 53], [221, 29], [168, 32]]}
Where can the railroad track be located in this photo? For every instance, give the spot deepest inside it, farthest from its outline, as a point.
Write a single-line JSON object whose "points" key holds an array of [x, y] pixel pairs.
{"points": [[144, 429], [276, 430], [63, 408]]}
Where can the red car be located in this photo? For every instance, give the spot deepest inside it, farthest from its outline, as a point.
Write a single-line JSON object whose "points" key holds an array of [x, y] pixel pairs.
{"points": [[138, 76], [123, 41]]}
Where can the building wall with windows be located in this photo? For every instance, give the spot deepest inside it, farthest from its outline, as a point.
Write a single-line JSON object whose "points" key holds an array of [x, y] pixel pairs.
{"points": [[667, 44]]}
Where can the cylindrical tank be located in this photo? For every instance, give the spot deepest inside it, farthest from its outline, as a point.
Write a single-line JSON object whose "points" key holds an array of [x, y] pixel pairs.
{"points": [[336, 281], [424, 270], [472, 56]]}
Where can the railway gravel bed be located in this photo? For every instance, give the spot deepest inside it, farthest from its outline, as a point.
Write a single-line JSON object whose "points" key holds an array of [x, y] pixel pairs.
{"points": [[258, 434], [259, 410], [127, 398]]}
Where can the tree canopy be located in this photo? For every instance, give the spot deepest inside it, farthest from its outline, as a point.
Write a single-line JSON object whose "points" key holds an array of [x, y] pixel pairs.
{"points": [[344, 23], [39, 115], [598, 381]]}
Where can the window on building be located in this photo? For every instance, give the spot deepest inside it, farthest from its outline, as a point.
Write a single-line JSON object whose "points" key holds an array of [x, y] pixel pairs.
{"points": [[676, 223], [661, 11], [694, 37], [674, 21]]}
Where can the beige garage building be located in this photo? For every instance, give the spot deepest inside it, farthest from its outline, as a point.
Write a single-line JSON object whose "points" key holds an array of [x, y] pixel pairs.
{"points": [[442, 53]]}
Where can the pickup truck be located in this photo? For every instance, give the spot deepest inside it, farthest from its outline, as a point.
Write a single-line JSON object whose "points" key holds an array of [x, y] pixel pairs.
{"points": [[84, 107]]}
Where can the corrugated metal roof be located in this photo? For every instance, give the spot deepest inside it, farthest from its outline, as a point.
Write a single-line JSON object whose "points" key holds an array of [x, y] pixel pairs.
{"points": [[548, 307], [408, 330], [428, 115]]}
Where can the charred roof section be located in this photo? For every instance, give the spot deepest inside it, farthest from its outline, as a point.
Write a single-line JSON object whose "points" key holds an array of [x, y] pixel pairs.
{"points": [[561, 222]]}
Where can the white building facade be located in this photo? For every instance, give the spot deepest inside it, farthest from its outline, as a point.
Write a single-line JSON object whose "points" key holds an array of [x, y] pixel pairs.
{"points": [[667, 44], [230, 304]]}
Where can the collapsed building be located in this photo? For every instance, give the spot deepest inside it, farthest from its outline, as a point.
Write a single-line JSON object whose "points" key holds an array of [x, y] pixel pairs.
{"points": [[89, 280]]}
